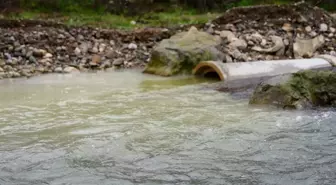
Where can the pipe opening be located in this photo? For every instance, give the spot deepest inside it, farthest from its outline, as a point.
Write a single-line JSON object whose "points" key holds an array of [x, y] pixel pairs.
{"points": [[208, 70], [212, 75]]}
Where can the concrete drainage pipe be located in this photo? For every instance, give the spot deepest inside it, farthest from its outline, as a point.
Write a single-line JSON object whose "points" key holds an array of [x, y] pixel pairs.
{"points": [[260, 69]]}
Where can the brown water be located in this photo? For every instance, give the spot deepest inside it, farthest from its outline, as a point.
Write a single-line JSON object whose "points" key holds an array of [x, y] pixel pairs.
{"points": [[123, 128]]}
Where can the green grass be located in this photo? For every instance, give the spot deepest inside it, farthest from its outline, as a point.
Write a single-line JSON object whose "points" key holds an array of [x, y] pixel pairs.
{"points": [[107, 20]]}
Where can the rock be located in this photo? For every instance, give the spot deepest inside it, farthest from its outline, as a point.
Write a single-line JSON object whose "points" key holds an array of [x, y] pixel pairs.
{"points": [[132, 46], [14, 74], [58, 70], [304, 89], [210, 30], [106, 64], [250, 43], [7, 56], [118, 62], [40, 69], [77, 51], [2, 62], [70, 69], [1, 70], [263, 42], [287, 27], [39, 52], [332, 30], [80, 37], [308, 29], [2, 75], [29, 54], [32, 59], [102, 47], [323, 27], [84, 48], [111, 54], [228, 59], [48, 55], [182, 52], [333, 53], [307, 47], [313, 34], [95, 61], [278, 48], [238, 43], [230, 27], [257, 38], [227, 35], [94, 50], [333, 15]]}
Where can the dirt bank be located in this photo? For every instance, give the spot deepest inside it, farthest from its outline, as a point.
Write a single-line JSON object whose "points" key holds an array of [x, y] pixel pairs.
{"points": [[29, 48]]}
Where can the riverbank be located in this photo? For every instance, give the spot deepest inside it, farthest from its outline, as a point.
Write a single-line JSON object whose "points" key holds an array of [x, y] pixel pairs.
{"points": [[33, 47]]}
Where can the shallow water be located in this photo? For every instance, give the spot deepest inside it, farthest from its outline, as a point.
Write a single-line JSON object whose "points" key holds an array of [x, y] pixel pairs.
{"points": [[122, 128]]}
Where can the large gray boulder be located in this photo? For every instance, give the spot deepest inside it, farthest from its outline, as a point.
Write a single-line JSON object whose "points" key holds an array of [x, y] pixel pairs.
{"points": [[182, 52], [301, 90]]}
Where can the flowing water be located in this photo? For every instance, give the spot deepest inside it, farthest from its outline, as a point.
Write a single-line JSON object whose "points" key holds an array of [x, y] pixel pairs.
{"points": [[124, 128]]}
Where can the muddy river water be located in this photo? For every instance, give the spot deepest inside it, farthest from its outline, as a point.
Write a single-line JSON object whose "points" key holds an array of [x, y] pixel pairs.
{"points": [[125, 128]]}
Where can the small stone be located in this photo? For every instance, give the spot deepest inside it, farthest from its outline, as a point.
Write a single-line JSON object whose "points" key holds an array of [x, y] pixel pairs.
{"points": [[80, 37], [239, 44], [95, 50], [287, 27], [250, 43], [118, 62], [165, 30], [58, 70], [2, 62], [308, 29], [227, 35], [106, 64], [269, 57], [228, 59], [323, 27], [132, 46], [2, 75], [8, 68], [14, 74], [256, 37], [8, 56], [48, 55], [263, 42], [29, 54], [95, 61], [133, 22], [61, 36], [286, 42], [210, 30], [1, 70], [313, 34], [102, 47], [333, 53], [70, 69], [111, 54], [331, 35], [40, 69], [230, 27], [77, 51], [32, 59], [39, 52], [332, 30]]}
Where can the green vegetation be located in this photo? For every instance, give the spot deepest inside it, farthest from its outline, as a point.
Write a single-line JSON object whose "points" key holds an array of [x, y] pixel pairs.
{"points": [[108, 20], [123, 14]]}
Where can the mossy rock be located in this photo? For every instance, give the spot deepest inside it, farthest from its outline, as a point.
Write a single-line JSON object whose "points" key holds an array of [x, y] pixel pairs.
{"points": [[305, 89], [182, 52]]}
